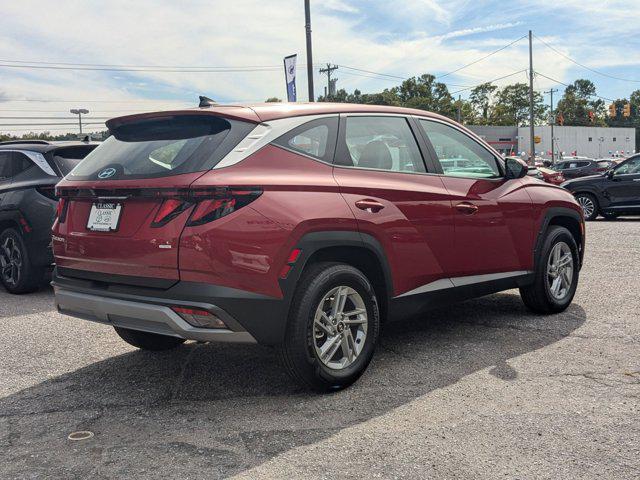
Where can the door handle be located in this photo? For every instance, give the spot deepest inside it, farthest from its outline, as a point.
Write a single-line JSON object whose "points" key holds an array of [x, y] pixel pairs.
{"points": [[636, 179], [369, 205], [467, 208]]}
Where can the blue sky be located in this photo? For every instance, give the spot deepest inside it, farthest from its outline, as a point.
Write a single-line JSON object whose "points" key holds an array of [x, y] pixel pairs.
{"points": [[396, 38]]}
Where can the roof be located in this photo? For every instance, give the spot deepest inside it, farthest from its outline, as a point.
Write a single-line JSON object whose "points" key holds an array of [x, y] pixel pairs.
{"points": [[42, 146], [264, 112]]}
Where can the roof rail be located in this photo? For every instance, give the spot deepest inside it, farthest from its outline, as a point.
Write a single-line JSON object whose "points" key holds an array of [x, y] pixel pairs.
{"points": [[25, 142]]}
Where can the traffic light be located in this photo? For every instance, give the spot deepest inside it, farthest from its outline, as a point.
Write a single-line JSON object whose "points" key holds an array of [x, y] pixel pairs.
{"points": [[612, 110], [626, 110]]}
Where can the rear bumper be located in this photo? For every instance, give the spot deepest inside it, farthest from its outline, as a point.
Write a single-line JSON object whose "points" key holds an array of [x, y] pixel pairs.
{"points": [[250, 317]]}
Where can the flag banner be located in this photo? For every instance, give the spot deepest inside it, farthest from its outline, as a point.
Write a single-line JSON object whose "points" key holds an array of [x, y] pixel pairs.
{"points": [[290, 76]]}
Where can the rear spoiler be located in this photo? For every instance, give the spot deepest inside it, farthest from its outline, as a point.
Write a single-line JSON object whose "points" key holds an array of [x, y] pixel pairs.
{"points": [[231, 112]]}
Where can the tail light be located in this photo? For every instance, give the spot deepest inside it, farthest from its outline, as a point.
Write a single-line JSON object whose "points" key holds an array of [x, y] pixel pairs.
{"points": [[219, 202], [61, 210], [169, 209]]}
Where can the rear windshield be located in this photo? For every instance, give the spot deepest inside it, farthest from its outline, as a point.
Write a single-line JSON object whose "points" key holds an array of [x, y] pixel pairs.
{"points": [[160, 147], [67, 158]]}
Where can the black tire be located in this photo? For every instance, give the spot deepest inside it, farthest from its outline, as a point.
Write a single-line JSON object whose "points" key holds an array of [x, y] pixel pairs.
{"points": [[148, 341], [587, 198], [298, 351], [17, 273], [538, 297]]}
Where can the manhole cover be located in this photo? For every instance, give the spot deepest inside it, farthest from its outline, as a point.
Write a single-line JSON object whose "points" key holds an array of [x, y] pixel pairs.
{"points": [[81, 435]]}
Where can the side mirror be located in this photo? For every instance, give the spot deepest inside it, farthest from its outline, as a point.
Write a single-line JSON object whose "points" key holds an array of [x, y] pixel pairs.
{"points": [[609, 173], [514, 168]]}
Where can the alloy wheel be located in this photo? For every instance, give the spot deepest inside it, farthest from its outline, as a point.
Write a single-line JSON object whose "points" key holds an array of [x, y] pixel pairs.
{"points": [[10, 261], [340, 327], [587, 206], [560, 271]]}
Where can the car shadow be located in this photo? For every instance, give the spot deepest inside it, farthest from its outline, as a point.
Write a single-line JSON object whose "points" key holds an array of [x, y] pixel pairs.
{"points": [[222, 409]]}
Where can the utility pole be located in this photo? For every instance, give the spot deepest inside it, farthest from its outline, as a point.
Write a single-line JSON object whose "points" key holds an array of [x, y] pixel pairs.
{"points": [[459, 108], [531, 119], [79, 112], [552, 119], [330, 68], [307, 26]]}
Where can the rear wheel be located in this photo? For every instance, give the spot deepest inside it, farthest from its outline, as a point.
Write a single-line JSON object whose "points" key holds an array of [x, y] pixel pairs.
{"points": [[556, 275], [148, 341], [17, 273], [333, 327], [589, 205]]}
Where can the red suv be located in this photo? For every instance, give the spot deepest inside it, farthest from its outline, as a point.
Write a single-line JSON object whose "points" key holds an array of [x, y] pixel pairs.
{"points": [[304, 226]]}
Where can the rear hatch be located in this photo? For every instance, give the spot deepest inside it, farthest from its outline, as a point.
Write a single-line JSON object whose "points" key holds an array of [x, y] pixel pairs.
{"points": [[123, 208]]}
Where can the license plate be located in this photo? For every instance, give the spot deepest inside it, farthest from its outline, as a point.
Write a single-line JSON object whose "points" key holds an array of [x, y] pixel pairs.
{"points": [[104, 217]]}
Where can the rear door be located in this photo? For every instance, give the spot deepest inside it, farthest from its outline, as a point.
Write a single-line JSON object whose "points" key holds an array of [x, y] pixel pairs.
{"points": [[492, 216], [383, 177], [127, 203]]}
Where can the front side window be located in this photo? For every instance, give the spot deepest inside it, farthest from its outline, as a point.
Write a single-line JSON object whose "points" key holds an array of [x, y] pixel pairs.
{"points": [[629, 167], [459, 155], [381, 143]]}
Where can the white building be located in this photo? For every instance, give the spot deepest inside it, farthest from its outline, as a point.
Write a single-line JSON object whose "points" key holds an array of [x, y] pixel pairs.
{"points": [[593, 142]]}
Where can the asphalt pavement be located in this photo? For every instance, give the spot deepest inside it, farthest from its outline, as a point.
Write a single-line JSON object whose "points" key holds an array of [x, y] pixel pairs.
{"points": [[480, 390]]}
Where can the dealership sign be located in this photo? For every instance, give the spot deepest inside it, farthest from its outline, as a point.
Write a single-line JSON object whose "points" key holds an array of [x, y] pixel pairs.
{"points": [[290, 76]]}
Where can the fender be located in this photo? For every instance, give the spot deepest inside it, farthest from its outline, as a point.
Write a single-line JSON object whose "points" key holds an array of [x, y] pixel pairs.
{"points": [[549, 215], [313, 242]]}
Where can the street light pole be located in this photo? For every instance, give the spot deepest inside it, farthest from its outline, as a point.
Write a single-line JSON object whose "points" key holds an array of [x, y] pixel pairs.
{"points": [[531, 130], [79, 112], [307, 26], [552, 119]]}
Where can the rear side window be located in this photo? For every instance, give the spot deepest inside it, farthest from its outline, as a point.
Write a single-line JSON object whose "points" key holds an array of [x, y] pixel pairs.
{"points": [[316, 138], [5, 165], [21, 163], [159, 147]]}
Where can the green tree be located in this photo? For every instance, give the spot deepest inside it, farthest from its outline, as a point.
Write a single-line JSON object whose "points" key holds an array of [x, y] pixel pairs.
{"points": [[273, 100], [481, 100], [578, 100], [512, 106]]}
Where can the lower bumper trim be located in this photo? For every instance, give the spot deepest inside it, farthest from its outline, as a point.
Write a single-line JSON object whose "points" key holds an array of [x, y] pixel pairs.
{"points": [[141, 316]]}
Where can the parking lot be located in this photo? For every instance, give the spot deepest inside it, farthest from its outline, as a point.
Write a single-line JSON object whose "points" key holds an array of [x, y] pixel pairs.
{"points": [[480, 390]]}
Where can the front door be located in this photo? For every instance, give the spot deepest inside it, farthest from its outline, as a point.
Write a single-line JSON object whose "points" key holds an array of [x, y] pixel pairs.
{"points": [[623, 189], [492, 216]]}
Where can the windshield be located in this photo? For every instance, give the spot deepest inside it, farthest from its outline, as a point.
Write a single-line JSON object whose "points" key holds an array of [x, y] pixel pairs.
{"points": [[159, 147]]}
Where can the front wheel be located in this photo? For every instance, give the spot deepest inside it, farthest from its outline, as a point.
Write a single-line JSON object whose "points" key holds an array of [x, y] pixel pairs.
{"points": [[17, 273], [332, 328], [589, 205], [556, 274]]}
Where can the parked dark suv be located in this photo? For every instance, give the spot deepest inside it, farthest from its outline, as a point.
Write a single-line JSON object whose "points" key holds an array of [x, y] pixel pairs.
{"points": [[29, 171], [611, 194], [303, 226], [575, 168]]}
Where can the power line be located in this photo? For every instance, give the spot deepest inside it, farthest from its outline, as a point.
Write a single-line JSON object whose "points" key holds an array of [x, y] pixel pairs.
{"points": [[567, 85], [489, 81], [40, 124], [584, 66], [482, 58], [375, 73], [51, 118]]}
